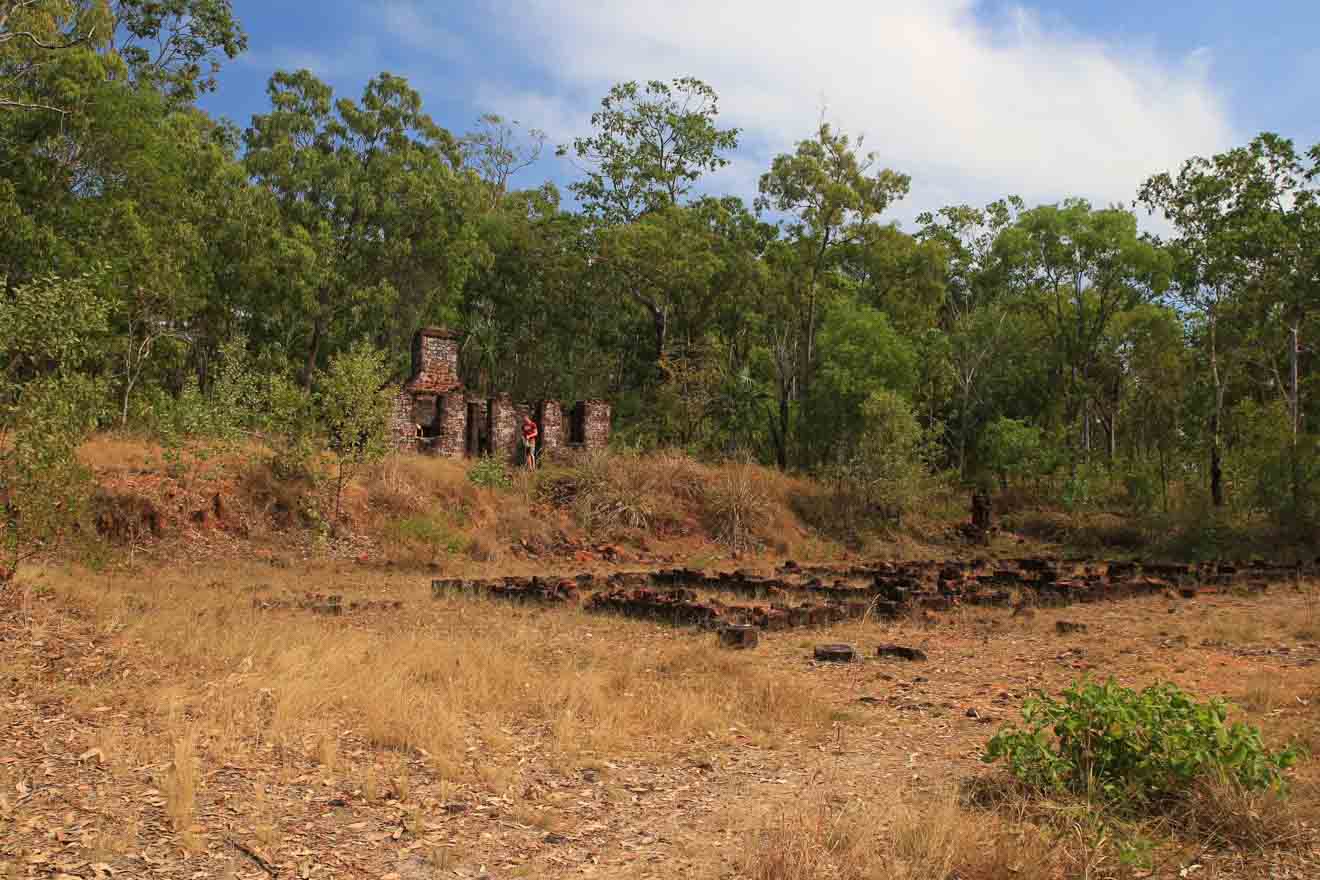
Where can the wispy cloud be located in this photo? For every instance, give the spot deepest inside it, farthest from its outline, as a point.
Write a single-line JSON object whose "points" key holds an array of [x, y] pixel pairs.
{"points": [[972, 109], [357, 59], [409, 22]]}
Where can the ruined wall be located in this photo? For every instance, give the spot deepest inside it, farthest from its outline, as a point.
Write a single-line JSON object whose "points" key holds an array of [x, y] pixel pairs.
{"points": [[591, 423], [550, 416], [433, 398], [401, 422], [434, 361], [503, 430], [452, 424]]}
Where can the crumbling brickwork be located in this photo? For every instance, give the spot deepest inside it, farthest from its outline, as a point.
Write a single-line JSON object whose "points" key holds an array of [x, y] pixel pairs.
{"points": [[550, 417], [594, 423], [402, 428], [503, 431], [451, 425], [434, 361]]}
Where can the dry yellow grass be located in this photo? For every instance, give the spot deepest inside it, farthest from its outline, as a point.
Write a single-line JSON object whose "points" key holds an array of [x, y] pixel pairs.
{"points": [[561, 724], [115, 452], [180, 785], [454, 673], [892, 836]]}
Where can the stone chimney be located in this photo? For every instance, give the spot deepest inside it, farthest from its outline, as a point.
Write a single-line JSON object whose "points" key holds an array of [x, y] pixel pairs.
{"points": [[434, 361]]}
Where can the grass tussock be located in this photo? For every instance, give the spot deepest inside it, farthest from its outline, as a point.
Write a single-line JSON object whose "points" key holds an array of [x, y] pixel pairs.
{"points": [[180, 786], [738, 506], [1222, 814], [898, 836]]}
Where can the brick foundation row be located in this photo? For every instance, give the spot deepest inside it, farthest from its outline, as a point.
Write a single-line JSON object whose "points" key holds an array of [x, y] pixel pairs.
{"points": [[797, 596]]}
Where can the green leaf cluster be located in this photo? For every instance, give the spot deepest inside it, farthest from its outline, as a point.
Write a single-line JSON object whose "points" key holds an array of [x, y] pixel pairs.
{"points": [[1139, 749]]}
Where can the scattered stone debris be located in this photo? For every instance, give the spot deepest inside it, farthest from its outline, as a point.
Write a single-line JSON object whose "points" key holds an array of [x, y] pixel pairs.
{"points": [[739, 635], [1068, 627], [835, 653], [796, 595], [319, 603], [901, 652], [517, 589], [678, 607]]}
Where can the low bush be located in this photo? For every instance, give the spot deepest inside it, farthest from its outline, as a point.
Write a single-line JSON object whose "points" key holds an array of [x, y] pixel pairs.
{"points": [[1134, 747], [1137, 749]]}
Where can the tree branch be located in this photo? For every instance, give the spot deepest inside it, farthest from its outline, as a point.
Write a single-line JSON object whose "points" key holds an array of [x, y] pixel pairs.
{"points": [[7, 104]]}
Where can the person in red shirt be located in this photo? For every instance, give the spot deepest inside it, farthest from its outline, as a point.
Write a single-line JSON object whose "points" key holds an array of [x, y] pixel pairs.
{"points": [[529, 434]]}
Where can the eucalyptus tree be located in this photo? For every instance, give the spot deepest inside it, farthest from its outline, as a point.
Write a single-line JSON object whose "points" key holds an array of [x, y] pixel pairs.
{"points": [[980, 284], [497, 151], [1081, 267], [831, 196], [375, 213], [650, 146], [1246, 232], [54, 52]]}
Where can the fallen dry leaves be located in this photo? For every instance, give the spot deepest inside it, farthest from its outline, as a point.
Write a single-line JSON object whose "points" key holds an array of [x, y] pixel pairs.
{"points": [[120, 757]]}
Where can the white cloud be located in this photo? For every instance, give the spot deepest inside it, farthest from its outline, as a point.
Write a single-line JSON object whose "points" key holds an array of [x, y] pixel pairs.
{"points": [[408, 23], [972, 110], [289, 58], [355, 59]]}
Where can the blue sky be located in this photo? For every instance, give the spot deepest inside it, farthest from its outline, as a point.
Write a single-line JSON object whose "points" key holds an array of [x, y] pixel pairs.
{"points": [[973, 99]]}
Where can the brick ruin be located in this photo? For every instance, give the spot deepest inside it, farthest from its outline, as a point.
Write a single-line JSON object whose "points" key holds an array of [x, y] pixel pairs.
{"points": [[456, 424], [796, 596]]}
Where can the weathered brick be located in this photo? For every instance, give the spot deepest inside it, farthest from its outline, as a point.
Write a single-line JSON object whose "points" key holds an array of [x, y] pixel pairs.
{"points": [[454, 425], [451, 424], [434, 361], [550, 418], [503, 430]]}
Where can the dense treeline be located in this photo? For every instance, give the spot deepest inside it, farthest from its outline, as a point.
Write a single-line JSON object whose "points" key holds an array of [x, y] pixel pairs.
{"points": [[1056, 346]]}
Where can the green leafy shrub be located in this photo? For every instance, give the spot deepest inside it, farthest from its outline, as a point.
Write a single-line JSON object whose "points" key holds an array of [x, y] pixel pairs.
{"points": [[1134, 748], [353, 404], [1011, 449], [490, 473], [50, 399], [882, 476], [1141, 489]]}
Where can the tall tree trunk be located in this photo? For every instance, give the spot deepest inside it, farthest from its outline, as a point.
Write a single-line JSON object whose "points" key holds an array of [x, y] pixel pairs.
{"points": [[1216, 465], [963, 418], [660, 324], [313, 353], [1216, 424], [1296, 424]]}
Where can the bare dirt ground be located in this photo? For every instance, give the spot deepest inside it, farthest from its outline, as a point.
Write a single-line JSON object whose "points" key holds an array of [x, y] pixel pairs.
{"points": [[157, 724]]}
